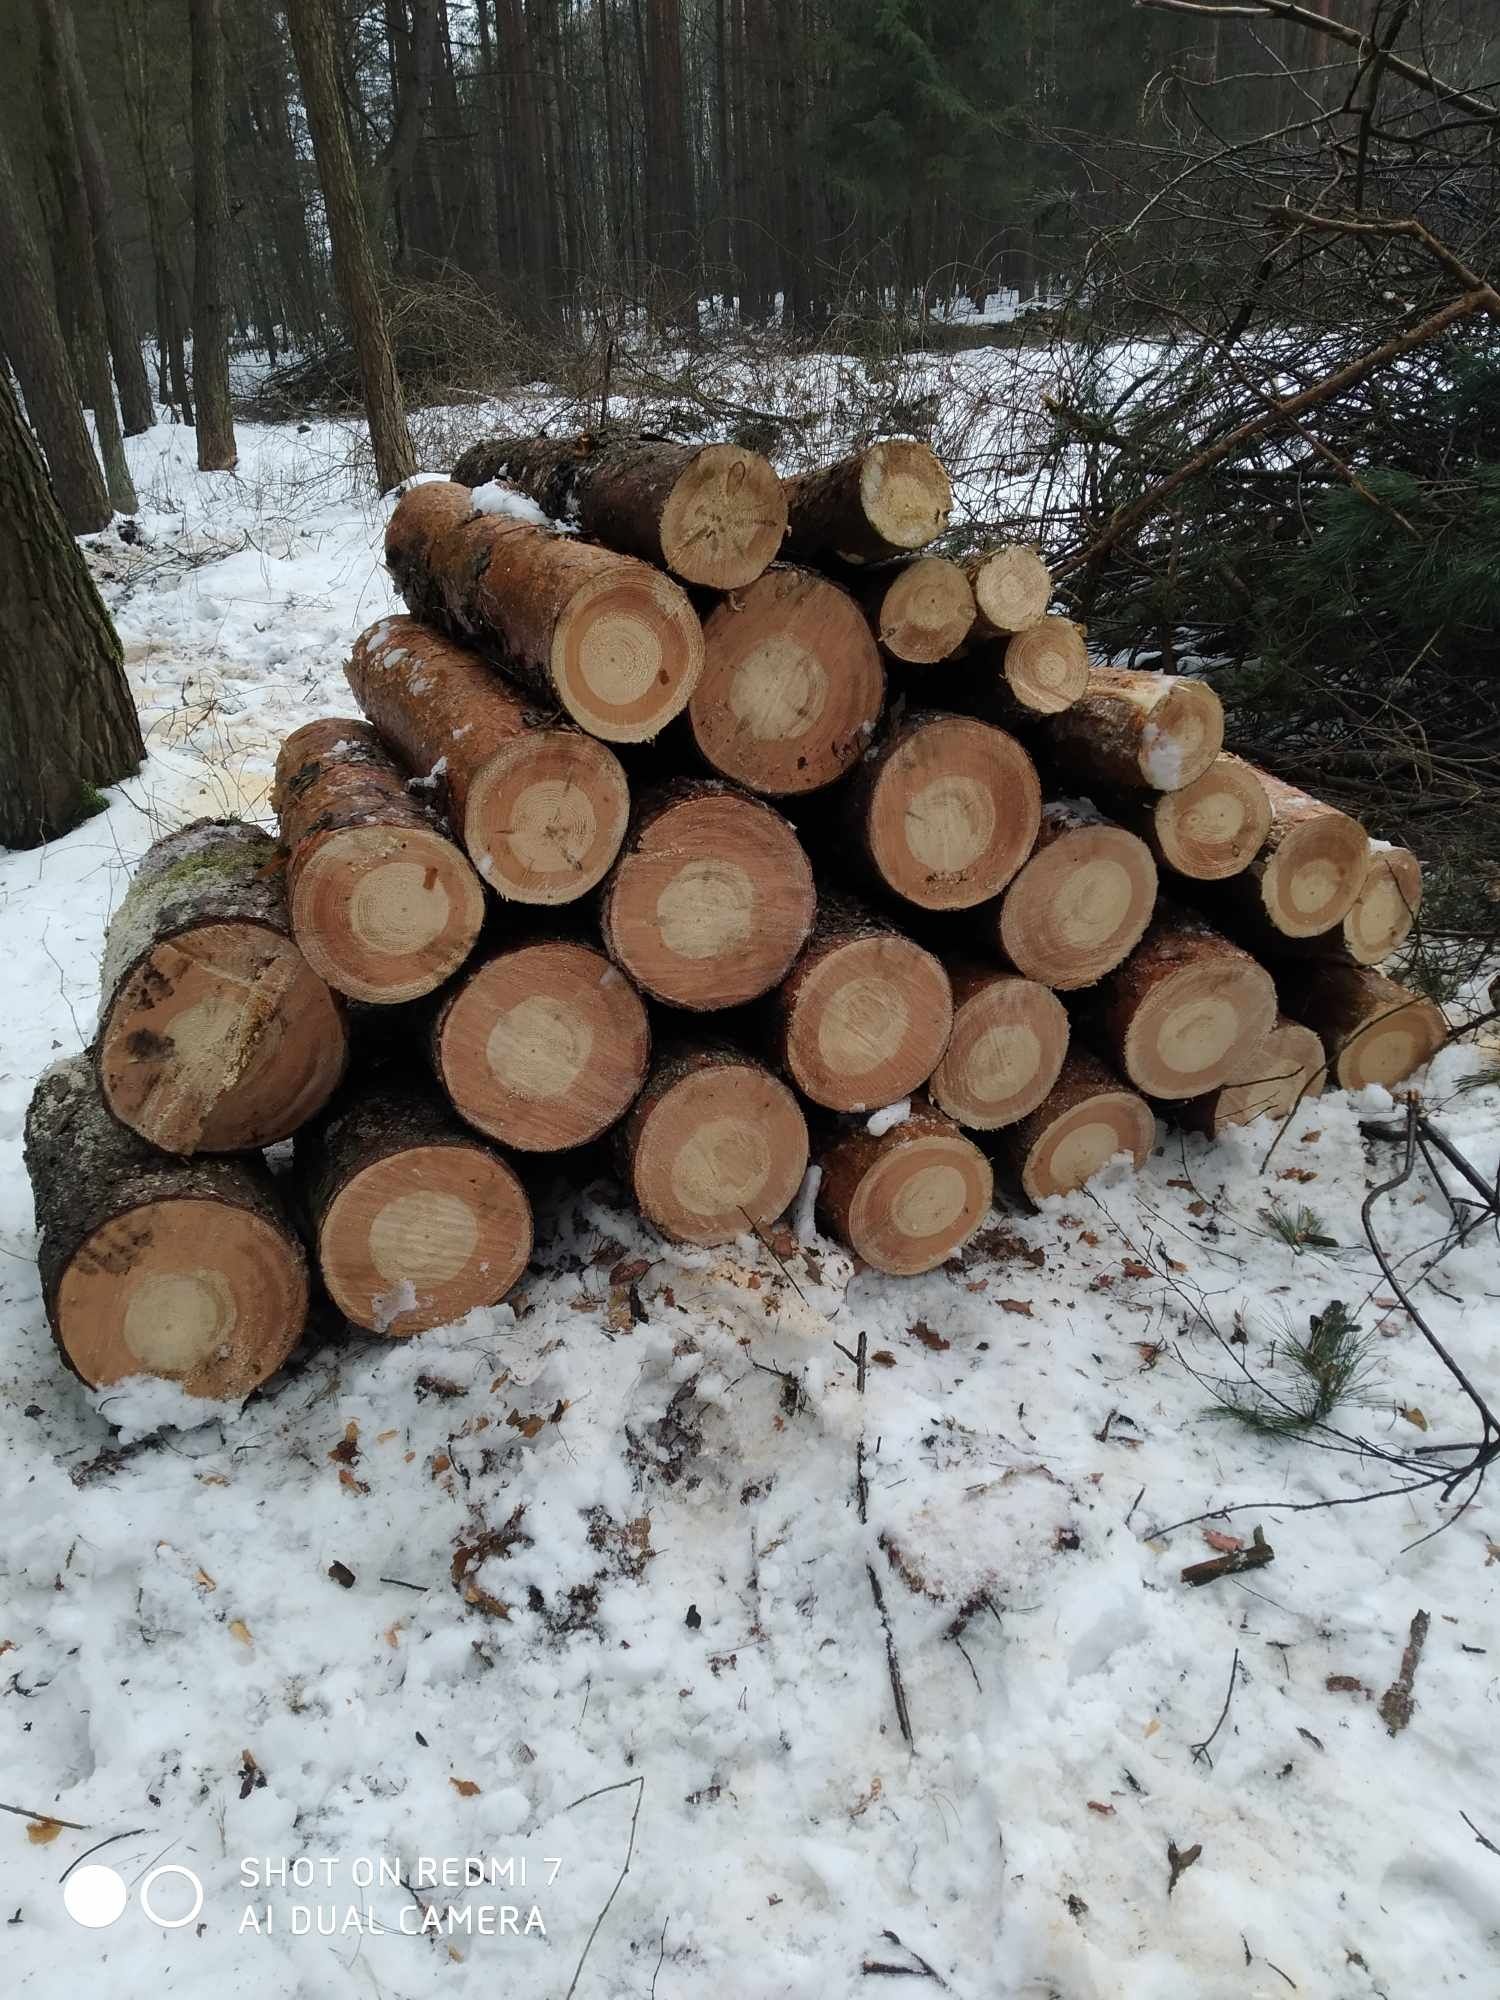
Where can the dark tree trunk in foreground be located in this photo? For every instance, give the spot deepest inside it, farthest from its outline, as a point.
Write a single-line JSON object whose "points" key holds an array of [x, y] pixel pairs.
{"points": [[67, 723], [316, 50], [216, 446]]}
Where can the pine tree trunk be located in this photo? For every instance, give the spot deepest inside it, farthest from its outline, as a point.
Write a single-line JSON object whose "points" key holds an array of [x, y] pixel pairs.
{"points": [[1307, 873], [921, 610], [908, 1199], [1012, 589], [216, 445]]}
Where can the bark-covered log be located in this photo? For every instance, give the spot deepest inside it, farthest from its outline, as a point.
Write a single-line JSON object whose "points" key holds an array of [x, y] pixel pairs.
{"points": [[1139, 732], [907, 1200], [715, 1147], [415, 1222], [1186, 1010], [881, 502], [921, 610], [792, 684], [215, 1034], [1087, 1119], [1009, 1039], [1288, 1067], [544, 1046], [713, 514], [1308, 872], [1211, 829], [1082, 902], [1381, 917], [540, 807], [864, 1016], [608, 639], [186, 1270], [944, 810], [1372, 1030], [384, 905], [1012, 589], [711, 899]]}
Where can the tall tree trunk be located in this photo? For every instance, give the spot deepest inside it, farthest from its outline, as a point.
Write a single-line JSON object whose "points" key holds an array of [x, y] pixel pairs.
{"points": [[354, 266], [216, 446], [67, 723]]}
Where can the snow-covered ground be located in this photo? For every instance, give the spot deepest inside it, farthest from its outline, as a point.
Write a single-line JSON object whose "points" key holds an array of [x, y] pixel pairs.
{"points": [[567, 1585]]}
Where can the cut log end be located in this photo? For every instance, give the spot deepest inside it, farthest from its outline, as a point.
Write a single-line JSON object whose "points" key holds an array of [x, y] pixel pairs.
{"points": [[1089, 1119], [1009, 1040], [905, 493], [1139, 731], [1079, 906], [866, 1023], [1188, 1011], [1288, 1069], [1214, 827], [952, 813], [1012, 588], [908, 1201], [1184, 732], [1046, 666], [1373, 1031], [925, 612], [713, 901], [544, 1047], [222, 1038], [545, 816], [725, 518], [1311, 881], [1386, 907], [422, 1236], [386, 915], [716, 1149], [626, 654]]}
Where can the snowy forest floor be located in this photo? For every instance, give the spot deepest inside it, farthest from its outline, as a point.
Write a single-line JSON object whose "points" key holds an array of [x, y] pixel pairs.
{"points": [[570, 1587]]}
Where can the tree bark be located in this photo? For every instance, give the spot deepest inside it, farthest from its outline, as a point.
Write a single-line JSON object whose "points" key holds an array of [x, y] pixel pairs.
{"points": [[1010, 1036], [216, 445], [882, 502], [907, 1200], [1087, 1119], [1082, 902]]}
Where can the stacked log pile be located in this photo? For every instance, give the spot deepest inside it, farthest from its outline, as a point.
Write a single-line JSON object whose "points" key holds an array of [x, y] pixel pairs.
{"points": [[851, 856]]}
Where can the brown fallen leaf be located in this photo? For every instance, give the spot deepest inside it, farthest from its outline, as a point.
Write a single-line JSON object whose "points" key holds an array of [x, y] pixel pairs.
{"points": [[1227, 1545], [203, 1579], [1134, 1268], [1180, 1860], [346, 1451], [42, 1831], [1414, 1416], [923, 1332], [7, 1646], [1021, 1307], [630, 1270], [238, 1629], [883, 1358], [465, 1787], [1104, 1811], [1346, 1684]]}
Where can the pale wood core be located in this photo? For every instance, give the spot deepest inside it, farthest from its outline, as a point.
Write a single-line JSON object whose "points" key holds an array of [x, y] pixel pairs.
{"points": [[1079, 907], [905, 493], [1009, 1039], [1392, 1043], [1047, 666], [869, 1023], [1012, 587], [1311, 881], [1386, 907], [626, 654], [546, 815], [1214, 827], [724, 519], [1084, 1139], [920, 1202], [1196, 1027], [953, 813], [927, 611], [723, 1147], [1183, 733], [1288, 1068], [385, 913]]}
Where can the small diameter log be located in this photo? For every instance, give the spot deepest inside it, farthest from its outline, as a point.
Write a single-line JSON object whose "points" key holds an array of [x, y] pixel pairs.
{"points": [[1212, 828], [544, 1046], [414, 1220], [1309, 871], [711, 900], [881, 502], [215, 1034], [1383, 913], [921, 611], [1009, 1040], [1288, 1068], [185, 1270], [1012, 588], [713, 514], [907, 1200], [1372, 1030], [1139, 732], [541, 810], [864, 1016], [792, 684], [1045, 669], [1186, 1010], [945, 810], [384, 906], [608, 639], [1087, 1119], [1082, 902], [715, 1146]]}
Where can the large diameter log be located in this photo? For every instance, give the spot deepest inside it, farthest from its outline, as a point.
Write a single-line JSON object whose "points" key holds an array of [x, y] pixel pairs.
{"points": [[711, 900], [540, 809], [1209, 830], [1012, 588], [864, 1016], [713, 514], [881, 502], [1082, 902], [415, 1221], [1288, 1067], [1088, 1119], [1372, 1030], [1186, 1010], [1139, 732], [215, 1034], [715, 1147], [544, 1046], [921, 610], [608, 639], [907, 1200], [1009, 1040], [792, 684], [945, 810], [188, 1270], [384, 906], [1381, 917], [1310, 868]]}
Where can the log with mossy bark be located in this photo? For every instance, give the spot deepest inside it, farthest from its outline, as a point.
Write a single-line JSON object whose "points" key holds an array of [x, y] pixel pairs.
{"points": [[1009, 1040], [906, 1198], [1372, 1030], [606, 638], [215, 1034], [714, 515], [885, 501], [1087, 1119], [1138, 731], [187, 1270], [1080, 905]]}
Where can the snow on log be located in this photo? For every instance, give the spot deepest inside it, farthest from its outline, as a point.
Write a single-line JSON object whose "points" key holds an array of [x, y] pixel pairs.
{"points": [[541, 809], [1139, 732], [792, 684], [1087, 1119], [712, 898], [1287, 1068], [544, 1046], [1308, 873], [713, 514], [881, 502], [1082, 902], [921, 610], [188, 1270], [1211, 829], [1012, 588], [215, 1034], [1372, 1030], [1009, 1039], [715, 1146], [608, 639], [384, 906], [415, 1221], [907, 1199], [864, 1015]]}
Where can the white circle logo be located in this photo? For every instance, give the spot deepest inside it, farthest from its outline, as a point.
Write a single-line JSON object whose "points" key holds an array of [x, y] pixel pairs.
{"points": [[95, 1896], [171, 1868]]}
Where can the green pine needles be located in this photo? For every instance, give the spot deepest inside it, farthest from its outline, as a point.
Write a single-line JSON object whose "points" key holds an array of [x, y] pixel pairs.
{"points": [[1314, 1373]]}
